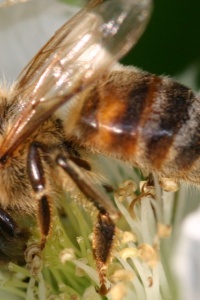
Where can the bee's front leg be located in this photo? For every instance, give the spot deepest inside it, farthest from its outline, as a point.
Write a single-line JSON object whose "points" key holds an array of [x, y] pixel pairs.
{"points": [[36, 174]]}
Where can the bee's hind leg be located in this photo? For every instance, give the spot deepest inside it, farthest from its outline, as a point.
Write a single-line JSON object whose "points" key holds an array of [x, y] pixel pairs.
{"points": [[104, 230]]}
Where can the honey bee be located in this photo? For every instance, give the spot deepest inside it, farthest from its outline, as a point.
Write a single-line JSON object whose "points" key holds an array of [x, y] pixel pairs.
{"points": [[118, 111]]}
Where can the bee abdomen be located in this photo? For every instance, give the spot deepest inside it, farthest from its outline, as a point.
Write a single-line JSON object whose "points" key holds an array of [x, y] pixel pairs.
{"points": [[163, 127], [148, 120]]}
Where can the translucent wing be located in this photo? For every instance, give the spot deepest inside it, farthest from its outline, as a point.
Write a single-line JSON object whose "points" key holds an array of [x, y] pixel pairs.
{"points": [[75, 56], [10, 2]]}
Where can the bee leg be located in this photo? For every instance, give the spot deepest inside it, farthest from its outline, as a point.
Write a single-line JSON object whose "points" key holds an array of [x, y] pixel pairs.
{"points": [[104, 230], [36, 176], [104, 233], [11, 234]]}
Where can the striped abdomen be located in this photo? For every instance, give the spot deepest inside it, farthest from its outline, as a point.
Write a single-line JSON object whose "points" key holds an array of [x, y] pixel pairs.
{"points": [[150, 121]]}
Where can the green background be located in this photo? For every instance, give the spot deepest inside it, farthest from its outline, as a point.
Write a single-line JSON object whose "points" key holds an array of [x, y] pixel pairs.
{"points": [[171, 42]]}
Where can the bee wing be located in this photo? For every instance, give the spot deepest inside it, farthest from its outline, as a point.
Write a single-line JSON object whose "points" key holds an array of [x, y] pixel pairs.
{"points": [[75, 56], [60, 42]]}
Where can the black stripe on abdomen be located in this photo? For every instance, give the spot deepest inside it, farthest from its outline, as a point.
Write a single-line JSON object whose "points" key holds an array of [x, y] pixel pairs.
{"points": [[173, 113]]}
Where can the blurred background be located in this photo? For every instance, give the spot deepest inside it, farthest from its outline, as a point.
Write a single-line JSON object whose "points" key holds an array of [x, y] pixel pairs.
{"points": [[171, 43]]}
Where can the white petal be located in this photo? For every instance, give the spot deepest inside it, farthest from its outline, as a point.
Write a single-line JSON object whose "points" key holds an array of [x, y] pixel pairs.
{"points": [[187, 259]]}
